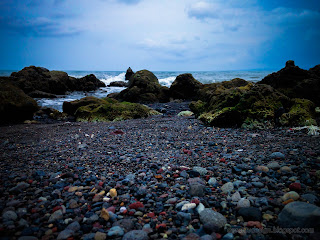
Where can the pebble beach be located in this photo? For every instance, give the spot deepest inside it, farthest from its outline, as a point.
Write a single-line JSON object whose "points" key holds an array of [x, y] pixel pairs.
{"points": [[163, 177]]}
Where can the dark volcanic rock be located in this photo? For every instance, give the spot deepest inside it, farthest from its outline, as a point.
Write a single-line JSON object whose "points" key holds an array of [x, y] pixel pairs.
{"points": [[185, 87], [118, 84], [40, 94], [296, 82], [129, 74], [144, 87], [31, 79], [15, 105]]}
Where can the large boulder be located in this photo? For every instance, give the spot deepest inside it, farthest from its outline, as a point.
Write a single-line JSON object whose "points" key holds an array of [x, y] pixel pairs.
{"points": [[299, 214], [144, 87], [129, 74], [71, 107], [185, 87], [295, 82], [91, 109], [31, 79], [15, 105], [251, 106]]}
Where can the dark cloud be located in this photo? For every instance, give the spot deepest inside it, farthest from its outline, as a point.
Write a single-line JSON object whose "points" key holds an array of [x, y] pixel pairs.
{"points": [[38, 27]]}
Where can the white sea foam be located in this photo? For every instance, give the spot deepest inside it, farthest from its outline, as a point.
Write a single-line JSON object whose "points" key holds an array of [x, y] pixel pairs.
{"points": [[107, 79], [167, 81]]}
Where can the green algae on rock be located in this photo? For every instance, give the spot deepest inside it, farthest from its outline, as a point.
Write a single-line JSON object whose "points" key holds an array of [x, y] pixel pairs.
{"points": [[91, 109]]}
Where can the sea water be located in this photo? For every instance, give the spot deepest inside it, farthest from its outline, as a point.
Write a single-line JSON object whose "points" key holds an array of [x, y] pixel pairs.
{"points": [[165, 79]]}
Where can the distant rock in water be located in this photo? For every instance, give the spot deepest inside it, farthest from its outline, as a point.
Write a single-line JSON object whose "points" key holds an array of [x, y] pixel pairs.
{"points": [[31, 79], [118, 84], [185, 87], [295, 82], [15, 105], [129, 73], [143, 87]]}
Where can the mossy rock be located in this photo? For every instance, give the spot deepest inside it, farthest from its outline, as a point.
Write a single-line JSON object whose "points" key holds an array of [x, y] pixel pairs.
{"points": [[198, 107], [301, 113], [15, 105], [185, 87], [143, 87], [250, 123], [227, 117], [112, 110], [71, 107]]}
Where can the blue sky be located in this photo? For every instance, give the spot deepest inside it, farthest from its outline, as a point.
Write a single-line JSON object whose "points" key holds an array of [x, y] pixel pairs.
{"points": [[174, 35]]}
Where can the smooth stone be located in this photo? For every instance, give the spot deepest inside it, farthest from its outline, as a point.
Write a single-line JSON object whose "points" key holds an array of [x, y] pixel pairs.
{"points": [[196, 190], [227, 187], [290, 195], [115, 231], [258, 184], [250, 213], [113, 192], [310, 198], [210, 216], [273, 165], [200, 208], [27, 238], [243, 203], [236, 197], [185, 217], [277, 155], [299, 214], [65, 234], [188, 206], [200, 170], [9, 216], [285, 169], [136, 235], [75, 226], [100, 236], [262, 168], [56, 216], [212, 182], [228, 236]]}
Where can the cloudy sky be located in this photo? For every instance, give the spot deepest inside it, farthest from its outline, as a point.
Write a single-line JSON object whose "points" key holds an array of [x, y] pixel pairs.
{"points": [[184, 35]]}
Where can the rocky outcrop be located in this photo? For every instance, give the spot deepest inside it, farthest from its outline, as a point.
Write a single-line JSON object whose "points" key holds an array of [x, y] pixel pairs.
{"points": [[31, 79], [143, 87], [15, 105], [295, 82], [185, 87], [91, 109], [129, 74]]}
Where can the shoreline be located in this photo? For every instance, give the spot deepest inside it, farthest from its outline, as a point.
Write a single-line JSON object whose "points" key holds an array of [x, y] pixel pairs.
{"points": [[147, 161]]}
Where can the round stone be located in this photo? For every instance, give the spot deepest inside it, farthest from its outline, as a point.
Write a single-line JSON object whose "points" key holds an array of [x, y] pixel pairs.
{"points": [[210, 216]]}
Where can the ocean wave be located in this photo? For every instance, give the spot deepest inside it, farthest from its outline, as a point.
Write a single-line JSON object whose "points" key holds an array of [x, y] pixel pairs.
{"points": [[167, 81], [107, 79]]}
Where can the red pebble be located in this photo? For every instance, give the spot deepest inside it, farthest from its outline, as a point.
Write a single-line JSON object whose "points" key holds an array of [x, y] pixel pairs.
{"points": [[30, 181], [295, 186], [163, 213], [160, 170], [97, 225], [56, 208], [100, 184], [111, 209], [195, 200], [222, 160], [131, 213], [176, 175], [254, 224], [218, 236], [66, 188], [151, 215], [136, 205], [54, 229], [161, 226]]}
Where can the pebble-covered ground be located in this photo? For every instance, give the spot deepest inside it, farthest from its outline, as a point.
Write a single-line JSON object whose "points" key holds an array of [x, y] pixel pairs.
{"points": [[163, 177]]}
